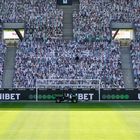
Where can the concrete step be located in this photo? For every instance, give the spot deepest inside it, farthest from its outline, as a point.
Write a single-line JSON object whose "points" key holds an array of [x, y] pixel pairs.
{"points": [[68, 19], [68, 32], [125, 59], [10, 59], [9, 67], [64, 6], [66, 24], [127, 67], [8, 79], [68, 35], [67, 38], [75, 6], [128, 82], [125, 50], [67, 27]]}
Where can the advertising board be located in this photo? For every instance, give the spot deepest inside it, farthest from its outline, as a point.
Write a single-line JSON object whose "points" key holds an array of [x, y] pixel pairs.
{"points": [[8, 95], [79, 95]]}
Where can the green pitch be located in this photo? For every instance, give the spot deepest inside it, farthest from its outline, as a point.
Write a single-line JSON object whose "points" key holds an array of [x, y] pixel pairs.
{"points": [[69, 121]]}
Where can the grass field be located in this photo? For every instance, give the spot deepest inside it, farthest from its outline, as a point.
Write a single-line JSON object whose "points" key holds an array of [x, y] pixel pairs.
{"points": [[106, 121]]}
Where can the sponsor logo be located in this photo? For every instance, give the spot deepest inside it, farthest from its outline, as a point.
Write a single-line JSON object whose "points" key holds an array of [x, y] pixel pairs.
{"points": [[9, 96], [82, 96]]}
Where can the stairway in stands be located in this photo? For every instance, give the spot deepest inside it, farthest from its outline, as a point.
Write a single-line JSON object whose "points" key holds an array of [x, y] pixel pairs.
{"points": [[127, 67], [9, 65], [68, 19], [0, 35]]}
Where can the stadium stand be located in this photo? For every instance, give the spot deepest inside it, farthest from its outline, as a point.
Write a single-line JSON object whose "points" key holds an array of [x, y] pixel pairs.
{"points": [[2, 55], [57, 59], [92, 21], [41, 17], [91, 54], [135, 54]]}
